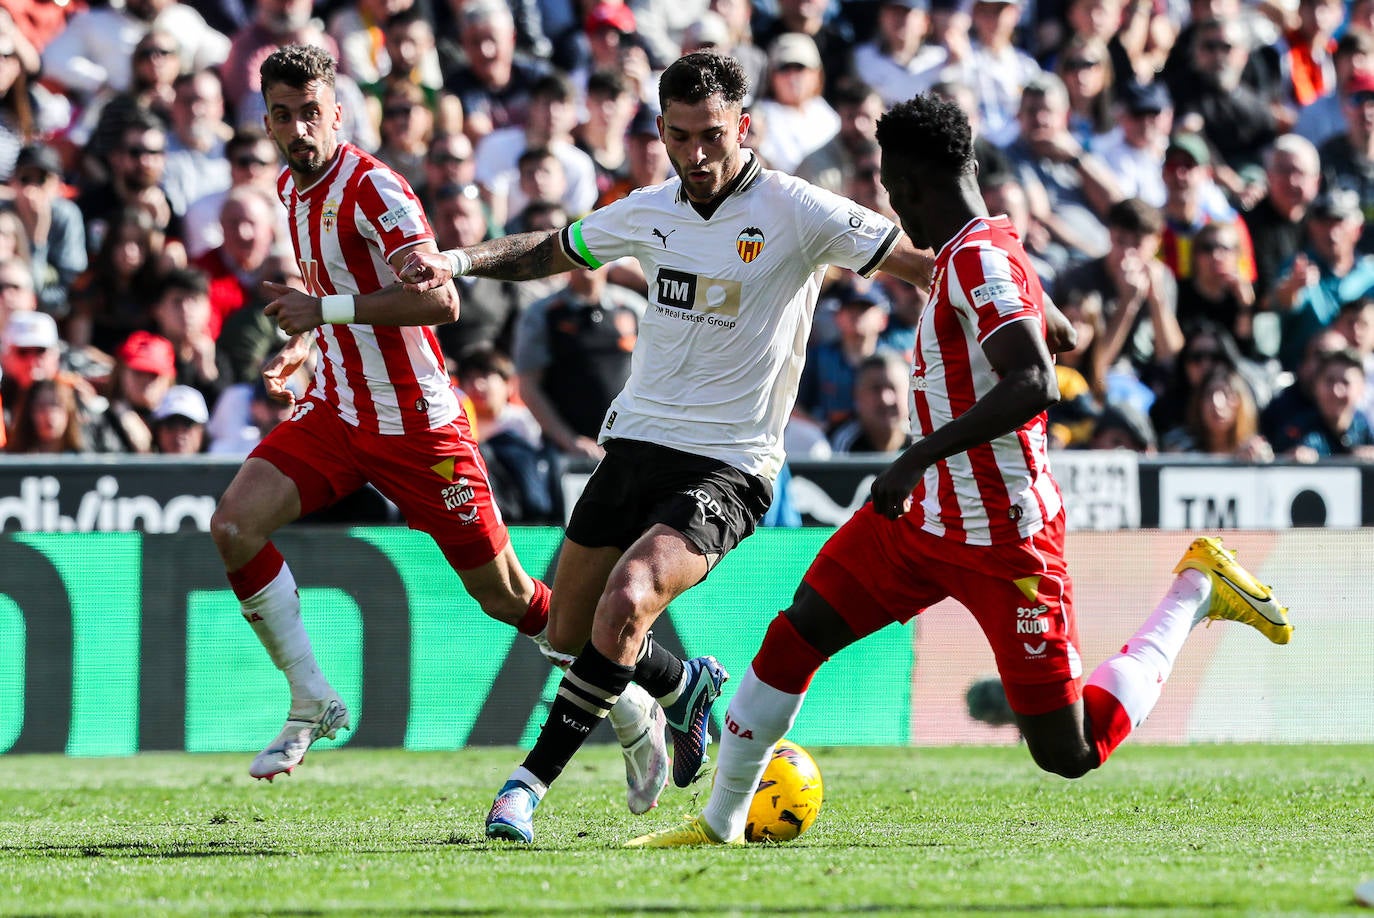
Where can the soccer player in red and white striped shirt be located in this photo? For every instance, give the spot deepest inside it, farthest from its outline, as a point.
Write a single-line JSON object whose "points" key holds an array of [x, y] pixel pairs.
{"points": [[381, 410], [970, 511]]}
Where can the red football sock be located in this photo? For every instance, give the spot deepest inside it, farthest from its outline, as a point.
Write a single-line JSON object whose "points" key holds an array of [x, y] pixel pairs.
{"points": [[249, 580], [1108, 720], [786, 661]]}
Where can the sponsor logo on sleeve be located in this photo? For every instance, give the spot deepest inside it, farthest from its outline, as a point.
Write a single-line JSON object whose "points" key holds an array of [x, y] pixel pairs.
{"points": [[1001, 293], [392, 218]]}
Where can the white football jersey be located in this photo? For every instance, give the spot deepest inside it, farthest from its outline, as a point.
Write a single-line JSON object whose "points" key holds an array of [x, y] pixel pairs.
{"points": [[721, 347]]}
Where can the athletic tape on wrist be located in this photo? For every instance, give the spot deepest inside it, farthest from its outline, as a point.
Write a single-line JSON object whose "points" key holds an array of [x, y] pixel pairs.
{"points": [[337, 308], [459, 261]]}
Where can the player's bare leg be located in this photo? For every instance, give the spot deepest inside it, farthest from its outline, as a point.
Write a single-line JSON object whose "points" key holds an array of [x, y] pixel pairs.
{"points": [[762, 711], [259, 501]]}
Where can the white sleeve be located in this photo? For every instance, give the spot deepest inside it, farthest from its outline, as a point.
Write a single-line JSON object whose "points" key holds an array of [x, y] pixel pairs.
{"points": [[836, 231]]}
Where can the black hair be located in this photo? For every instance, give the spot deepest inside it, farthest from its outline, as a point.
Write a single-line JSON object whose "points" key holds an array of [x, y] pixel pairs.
{"points": [[296, 66], [606, 83], [408, 16], [695, 77], [482, 358], [184, 280], [929, 130], [553, 87]]}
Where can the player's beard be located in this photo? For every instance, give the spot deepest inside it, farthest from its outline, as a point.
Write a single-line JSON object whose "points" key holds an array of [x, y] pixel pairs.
{"points": [[306, 159]]}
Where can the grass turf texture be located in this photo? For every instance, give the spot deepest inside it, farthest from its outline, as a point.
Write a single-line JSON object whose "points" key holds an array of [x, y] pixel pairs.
{"points": [[1215, 830]]}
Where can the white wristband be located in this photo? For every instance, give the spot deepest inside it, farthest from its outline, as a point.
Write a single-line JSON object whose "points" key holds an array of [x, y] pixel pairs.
{"points": [[337, 309], [459, 260]]}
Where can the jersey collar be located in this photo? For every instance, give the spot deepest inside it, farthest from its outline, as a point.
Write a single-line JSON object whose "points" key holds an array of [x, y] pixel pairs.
{"points": [[748, 174]]}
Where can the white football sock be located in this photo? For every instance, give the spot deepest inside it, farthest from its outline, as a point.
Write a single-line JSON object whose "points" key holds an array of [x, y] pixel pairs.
{"points": [[759, 716], [275, 614], [1135, 676]]}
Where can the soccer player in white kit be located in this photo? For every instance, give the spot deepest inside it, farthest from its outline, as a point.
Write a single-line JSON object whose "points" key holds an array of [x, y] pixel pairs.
{"points": [[970, 511], [734, 254], [381, 409]]}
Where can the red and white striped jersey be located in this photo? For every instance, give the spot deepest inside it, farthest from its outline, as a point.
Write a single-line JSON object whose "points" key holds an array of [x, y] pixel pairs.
{"points": [[1001, 491], [344, 228]]}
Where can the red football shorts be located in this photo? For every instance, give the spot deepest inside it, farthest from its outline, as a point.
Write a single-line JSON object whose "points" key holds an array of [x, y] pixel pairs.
{"points": [[876, 571], [436, 478]]}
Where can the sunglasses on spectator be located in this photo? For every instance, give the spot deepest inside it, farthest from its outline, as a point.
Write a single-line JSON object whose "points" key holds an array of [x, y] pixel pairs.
{"points": [[1081, 63], [1207, 248], [30, 351], [154, 51], [447, 159], [1362, 97], [136, 152], [398, 111], [31, 179], [1202, 356], [1217, 47], [248, 162]]}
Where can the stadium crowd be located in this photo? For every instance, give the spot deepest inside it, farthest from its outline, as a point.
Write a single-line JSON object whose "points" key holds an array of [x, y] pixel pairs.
{"points": [[1191, 180]]}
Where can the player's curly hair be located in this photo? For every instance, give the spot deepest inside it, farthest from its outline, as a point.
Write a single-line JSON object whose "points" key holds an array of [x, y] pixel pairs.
{"points": [[296, 66], [699, 75], [929, 130]]}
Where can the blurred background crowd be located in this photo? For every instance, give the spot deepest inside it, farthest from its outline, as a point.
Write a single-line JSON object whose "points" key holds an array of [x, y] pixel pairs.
{"points": [[1192, 180]]}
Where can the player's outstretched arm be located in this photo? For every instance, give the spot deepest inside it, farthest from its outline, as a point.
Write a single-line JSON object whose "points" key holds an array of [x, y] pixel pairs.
{"points": [[523, 256], [911, 264], [1026, 386]]}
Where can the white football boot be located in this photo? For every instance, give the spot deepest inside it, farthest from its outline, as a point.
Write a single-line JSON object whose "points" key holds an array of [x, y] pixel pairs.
{"points": [[637, 716], [293, 742]]}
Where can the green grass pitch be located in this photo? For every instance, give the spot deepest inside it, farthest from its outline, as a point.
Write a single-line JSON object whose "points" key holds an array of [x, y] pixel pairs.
{"points": [[1206, 830]]}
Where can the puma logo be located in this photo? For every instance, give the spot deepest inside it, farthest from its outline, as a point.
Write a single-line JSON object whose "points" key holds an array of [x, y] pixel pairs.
{"points": [[662, 237]]}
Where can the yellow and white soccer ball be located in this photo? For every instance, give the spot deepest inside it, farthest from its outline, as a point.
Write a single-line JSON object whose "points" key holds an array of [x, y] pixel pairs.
{"points": [[788, 798]]}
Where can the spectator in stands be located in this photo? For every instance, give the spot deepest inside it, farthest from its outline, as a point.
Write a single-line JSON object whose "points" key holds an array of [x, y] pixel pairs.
{"points": [[1356, 323], [646, 158], [1335, 426], [14, 239], [551, 117], [881, 421], [1221, 420], [182, 316], [490, 307], [524, 473], [114, 296], [248, 219], [30, 350], [1003, 194], [382, 40], [28, 110], [197, 164], [602, 135], [1086, 70], [1305, 54], [1135, 152], [1123, 427], [1081, 378], [414, 61], [1069, 189], [572, 355], [900, 61], [1324, 117], [826, 390], [794, 118], [1329, 272], [179, 422], [997, 69], [249, 336], [864, 185], [47, 420], [407, 128], [253, 163], [738, 16], [275, 23], [449, 163], [1209, 347], [1280, 418], [833, 37], [992, 160], [1191, 202], [101, 122], [16, 290], [145, 369], [541, 182], [1139, 296], [662, 26], [243, 415], [53, 226], [1292, 171], [491, 79], [615, 43], [859, 107], [1214, 101], [137, 165], [1348, 158], [1216, 290], [96, 47]]}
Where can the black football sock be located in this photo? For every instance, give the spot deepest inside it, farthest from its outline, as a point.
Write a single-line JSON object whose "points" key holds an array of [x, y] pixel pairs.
{"points": [[589, 689], [657, 671]]}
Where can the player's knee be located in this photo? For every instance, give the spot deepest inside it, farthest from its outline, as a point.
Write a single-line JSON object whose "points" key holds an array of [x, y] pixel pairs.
{"points": [[1067, 763], [227, 530]]}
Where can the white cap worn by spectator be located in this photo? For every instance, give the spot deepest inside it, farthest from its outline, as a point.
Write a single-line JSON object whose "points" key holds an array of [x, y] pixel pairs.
{"points": [[183, 402], [31, 329]]}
